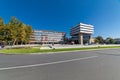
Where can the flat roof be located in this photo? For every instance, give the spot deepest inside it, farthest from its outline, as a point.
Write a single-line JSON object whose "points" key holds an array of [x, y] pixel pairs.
{"points": [[83, 24], [49, 31]]}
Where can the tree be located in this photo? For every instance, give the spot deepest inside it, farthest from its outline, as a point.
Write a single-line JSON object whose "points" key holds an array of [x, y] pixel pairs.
{"points": [[26, 32], [16, 29], [15, 32], [96, 41], [1, 22], [29, 33], [20, 33], [110, 40], [2, 31], [99, 39]]}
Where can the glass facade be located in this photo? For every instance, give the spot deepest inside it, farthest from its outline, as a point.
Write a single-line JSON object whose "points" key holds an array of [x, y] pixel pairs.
{"points": [[40, 36]]}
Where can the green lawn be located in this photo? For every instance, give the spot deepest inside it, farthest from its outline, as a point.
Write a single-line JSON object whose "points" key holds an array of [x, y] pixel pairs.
{"points": [[37, 50]]}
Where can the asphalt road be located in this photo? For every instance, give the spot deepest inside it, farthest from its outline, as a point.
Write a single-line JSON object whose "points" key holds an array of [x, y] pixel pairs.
{"points": [[81, 65]]}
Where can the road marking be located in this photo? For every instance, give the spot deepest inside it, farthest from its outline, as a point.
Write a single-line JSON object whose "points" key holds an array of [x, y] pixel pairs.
{"points": [[44, 64]]}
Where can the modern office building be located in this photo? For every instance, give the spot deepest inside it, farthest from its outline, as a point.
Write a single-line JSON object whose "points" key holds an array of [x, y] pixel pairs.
{"points": [[81, 33], [47, 37]]}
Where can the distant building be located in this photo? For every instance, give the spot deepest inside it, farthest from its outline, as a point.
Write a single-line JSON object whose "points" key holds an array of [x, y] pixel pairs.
{"points": [[117, 40], [81, 33], [92, 40], [45, 36]]}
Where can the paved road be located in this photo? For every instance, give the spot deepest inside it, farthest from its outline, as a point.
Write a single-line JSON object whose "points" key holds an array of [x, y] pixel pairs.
{"points": [[82, 65]]}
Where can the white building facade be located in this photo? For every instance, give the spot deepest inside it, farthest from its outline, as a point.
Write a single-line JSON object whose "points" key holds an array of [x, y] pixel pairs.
{"points": [[81, 33], [46, 36]]}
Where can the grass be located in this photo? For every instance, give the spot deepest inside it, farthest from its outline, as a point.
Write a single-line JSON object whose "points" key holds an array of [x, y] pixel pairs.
{"points": [[37, 50]]}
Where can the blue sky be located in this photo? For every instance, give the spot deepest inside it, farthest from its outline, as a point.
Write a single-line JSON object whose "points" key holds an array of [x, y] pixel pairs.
{"points": [[61, 15]]}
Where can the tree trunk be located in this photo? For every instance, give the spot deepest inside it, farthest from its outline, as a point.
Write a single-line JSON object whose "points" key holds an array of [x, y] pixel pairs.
{"points": [[14, 42]]}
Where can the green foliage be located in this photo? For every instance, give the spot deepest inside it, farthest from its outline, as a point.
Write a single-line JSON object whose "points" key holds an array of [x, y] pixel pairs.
{"points": [[29, 32], [99, 40], [96, 41], [4, 31], [14, 32], [110, 40]]}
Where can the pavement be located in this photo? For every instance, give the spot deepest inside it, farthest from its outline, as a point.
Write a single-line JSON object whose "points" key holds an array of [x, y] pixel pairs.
{"points": [[80, 65], [61, 46]]}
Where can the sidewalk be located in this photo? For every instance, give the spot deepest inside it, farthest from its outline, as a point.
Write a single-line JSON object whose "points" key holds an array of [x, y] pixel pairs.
{"points": [[58, 46], [81, 46]]}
